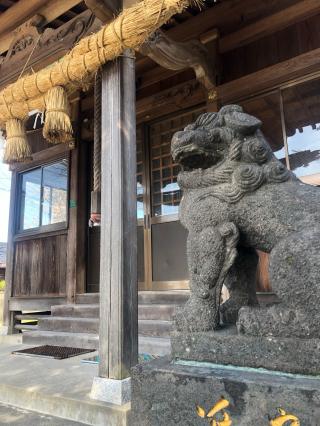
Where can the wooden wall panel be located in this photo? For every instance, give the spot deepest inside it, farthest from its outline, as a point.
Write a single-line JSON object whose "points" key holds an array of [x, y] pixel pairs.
{"points": [[40, 266], [282, 45], [37, 142]]}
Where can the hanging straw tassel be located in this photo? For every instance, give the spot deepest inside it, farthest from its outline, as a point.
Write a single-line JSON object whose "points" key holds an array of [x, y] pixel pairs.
{"points": [[17, 148], [57, 127]]}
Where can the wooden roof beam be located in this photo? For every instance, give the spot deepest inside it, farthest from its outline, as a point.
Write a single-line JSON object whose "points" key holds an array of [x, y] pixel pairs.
{"points": [[270, 24], [105, 10], [49, 10], [266, 26], [232, 12], [18, 13], [190, 93]]}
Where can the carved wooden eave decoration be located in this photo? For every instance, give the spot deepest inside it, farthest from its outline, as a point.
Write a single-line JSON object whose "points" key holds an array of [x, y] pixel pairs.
{"points": [[178, 56], [44, 47], [184, 95]]}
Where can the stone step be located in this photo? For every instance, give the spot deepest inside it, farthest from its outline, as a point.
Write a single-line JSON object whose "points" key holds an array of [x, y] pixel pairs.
{"points": [[175, 297], [88, 298], [152, 328], [69, 324], [158, 346], [151, 312], [76, 310], [155, 328], [25, 327], [156, 312], [31, 317], [60, 338]]}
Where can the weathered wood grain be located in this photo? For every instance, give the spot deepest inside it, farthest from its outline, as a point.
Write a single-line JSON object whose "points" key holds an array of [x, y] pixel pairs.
{"points": [[7, 318], [71, 277], [270, 77], [118, 269], [270, 24], [40, 267]]}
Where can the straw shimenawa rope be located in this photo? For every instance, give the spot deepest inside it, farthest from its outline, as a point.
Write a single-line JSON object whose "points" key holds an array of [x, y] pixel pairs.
{"points": [[17, 147], [57, 127], [129, 30]]}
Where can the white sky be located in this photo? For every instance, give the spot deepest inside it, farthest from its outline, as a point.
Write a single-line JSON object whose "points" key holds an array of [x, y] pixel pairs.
{"points": [[5, 180]]}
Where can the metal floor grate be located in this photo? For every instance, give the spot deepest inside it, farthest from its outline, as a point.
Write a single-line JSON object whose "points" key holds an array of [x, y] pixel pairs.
{"points": [[56, 352]]}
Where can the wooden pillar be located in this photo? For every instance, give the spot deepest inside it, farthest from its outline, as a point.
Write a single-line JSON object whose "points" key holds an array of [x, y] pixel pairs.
{"points": [[8, 317], [71, 280], [118, 270], [78, 219]]}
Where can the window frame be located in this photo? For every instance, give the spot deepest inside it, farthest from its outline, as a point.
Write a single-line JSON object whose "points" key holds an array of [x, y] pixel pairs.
{"points": [[42, 229], [311, 179]]}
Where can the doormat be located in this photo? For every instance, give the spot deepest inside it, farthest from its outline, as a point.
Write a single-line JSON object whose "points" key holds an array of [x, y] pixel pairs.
{"points": [[55, 352], [142, 358]]}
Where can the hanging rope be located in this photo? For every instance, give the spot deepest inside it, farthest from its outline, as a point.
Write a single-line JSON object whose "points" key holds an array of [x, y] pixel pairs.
{"points": [[29, 57], [97, 134]]}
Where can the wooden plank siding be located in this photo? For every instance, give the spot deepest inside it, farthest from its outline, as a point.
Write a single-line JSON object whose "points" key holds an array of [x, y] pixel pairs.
{"points": [[283, 45], [40, 267]]}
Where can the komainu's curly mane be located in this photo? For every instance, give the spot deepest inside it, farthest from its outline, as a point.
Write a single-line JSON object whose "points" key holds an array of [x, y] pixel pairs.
{"points": [[247, 161]]}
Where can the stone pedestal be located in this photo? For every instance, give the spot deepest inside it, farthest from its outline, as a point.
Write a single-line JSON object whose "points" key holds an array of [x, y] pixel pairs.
{"points": [[113, 391], [166, 394], [226, 346]]}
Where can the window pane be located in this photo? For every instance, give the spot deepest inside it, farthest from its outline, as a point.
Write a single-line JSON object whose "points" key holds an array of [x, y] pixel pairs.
{"points": [[55, 193], [140, 187], [165, 191], [302, 117], [30, 200]]}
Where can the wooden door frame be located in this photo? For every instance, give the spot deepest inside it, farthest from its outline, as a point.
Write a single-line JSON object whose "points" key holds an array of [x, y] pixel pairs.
{"points": [[149, 220]]}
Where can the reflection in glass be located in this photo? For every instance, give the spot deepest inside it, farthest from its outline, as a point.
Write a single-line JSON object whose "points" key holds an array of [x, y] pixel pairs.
{"points": [[54, 193], [281, 155], [304, 152], [302, 119], [30, 200], [171, 187], [44, 194], [140, 188], [140, 211], [165, 192]]}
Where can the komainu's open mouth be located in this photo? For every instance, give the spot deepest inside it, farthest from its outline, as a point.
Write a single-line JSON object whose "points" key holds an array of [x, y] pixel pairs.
{"points": [[196, 159]]}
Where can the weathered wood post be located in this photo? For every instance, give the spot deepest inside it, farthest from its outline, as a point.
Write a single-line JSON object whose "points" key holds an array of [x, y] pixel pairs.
{"points": [[8, 317], [118, 270]]}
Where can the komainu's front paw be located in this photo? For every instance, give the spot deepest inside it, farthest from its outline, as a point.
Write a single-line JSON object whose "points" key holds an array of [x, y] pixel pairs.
{"points": [[197, 315]]}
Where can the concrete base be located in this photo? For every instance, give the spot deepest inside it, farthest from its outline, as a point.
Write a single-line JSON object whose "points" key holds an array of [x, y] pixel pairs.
{"points": [[112, 391], [166, 394], [10, 339], [4, 330], [226, 346], [55, 388]]}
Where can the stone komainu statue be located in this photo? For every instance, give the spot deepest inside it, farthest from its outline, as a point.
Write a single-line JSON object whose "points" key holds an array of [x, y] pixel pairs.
{"points": [[237, 197]]}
